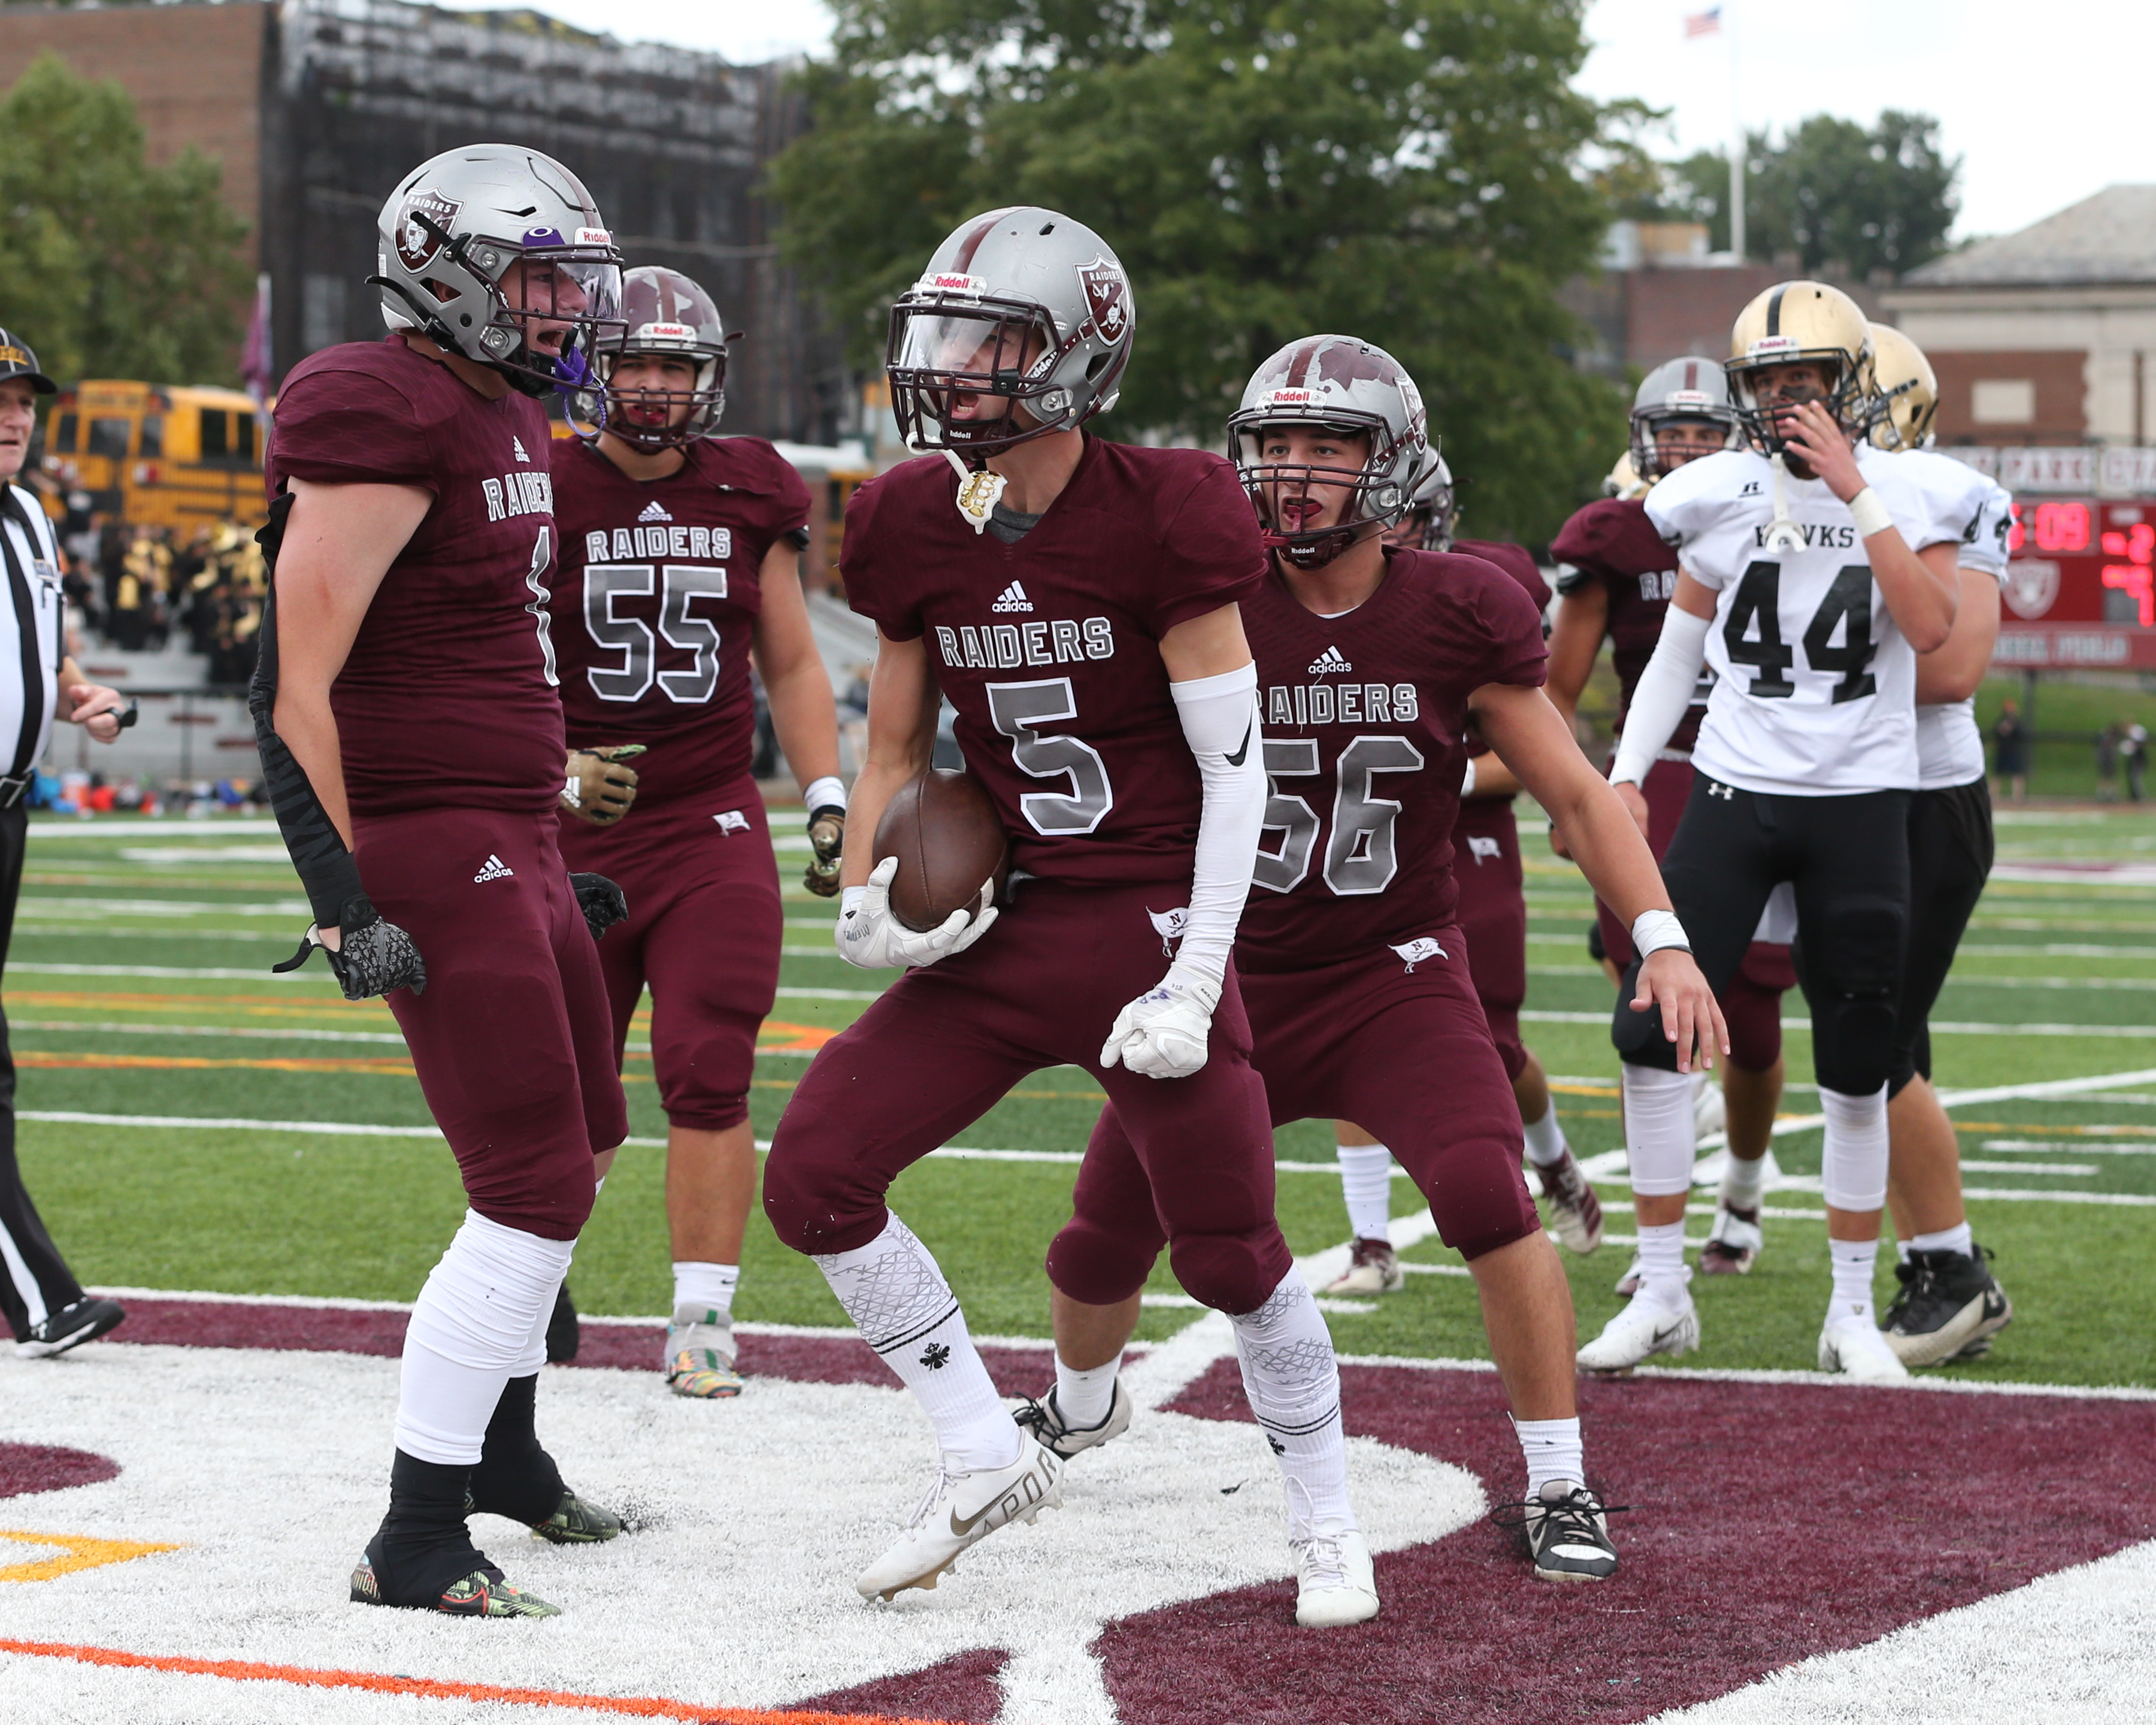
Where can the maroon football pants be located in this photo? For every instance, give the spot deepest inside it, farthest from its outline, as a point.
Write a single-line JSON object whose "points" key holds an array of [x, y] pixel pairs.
{"points": [[704, 930], [1401, 1048], [1751, 1003], [945, 1042], [1493, 914], [510, 1040]]}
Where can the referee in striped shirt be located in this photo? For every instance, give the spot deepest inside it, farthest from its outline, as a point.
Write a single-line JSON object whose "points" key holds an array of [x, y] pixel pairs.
{"points": [[44, 1304]]}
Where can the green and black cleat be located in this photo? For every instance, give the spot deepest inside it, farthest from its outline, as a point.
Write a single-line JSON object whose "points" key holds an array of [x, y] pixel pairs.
{"points": [[578, 1522], [478, 1594]]}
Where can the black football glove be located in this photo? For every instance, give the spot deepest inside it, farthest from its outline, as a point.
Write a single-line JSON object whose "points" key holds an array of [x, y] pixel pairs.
{"points": [[827, 838], [603, 903], [373, 957]]}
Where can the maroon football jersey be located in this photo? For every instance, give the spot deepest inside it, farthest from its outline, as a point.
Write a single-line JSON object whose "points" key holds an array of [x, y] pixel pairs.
{"points": [[1365, 717], [656, 601], [1515, 561], [1612, 542], [449, 694], [1048, 649]]}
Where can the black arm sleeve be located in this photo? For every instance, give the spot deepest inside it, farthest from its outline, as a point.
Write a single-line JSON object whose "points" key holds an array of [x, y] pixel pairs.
{"points": [[327, 871]]}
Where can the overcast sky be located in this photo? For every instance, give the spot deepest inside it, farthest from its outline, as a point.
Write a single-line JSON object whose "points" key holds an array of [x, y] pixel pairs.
{"points": [[2040, 100]]}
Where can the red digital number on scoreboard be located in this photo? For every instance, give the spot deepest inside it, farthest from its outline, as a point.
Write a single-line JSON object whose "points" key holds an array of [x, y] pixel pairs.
{"points": [[2133, 550]]}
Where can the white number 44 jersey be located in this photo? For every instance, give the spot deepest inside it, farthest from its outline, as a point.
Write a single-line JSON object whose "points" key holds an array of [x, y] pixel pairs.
{"points": [[1815, 688]]}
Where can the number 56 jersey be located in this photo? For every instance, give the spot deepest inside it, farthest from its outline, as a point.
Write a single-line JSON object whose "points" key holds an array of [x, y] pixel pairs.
{"points": [[1048, 649], [1366, 716], [1815, 688]]}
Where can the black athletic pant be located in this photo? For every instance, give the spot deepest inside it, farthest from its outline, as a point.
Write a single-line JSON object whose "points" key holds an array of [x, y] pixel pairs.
{"points": [[1950, 852], [36, 1279], [1848, 857]]}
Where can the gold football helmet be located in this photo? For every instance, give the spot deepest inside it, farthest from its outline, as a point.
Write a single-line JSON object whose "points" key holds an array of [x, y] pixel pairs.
{"points": [[1624, 481], [1906, 392], [1795, 322]]}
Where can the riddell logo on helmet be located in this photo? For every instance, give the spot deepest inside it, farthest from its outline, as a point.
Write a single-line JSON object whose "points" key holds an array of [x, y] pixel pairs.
{"points": [[593, 236], [415, 245], [1769, 344], [668, 332], [951, 281], [1290, 398]]}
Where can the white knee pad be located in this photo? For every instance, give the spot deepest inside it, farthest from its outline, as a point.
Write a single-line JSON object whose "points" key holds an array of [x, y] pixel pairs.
{"points": [[1853, 1162], [1660, 1131], [481, 1319]]}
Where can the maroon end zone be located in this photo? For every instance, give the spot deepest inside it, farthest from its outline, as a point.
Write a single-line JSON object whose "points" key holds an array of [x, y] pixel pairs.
{"points": [[1769, 1522]]}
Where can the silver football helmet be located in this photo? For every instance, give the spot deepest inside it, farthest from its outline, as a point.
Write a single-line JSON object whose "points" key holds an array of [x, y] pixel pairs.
{"points": [[1677, 389], [497, 253], [664, 313], [1335, 383], [1021, 304], [1433, 509]]}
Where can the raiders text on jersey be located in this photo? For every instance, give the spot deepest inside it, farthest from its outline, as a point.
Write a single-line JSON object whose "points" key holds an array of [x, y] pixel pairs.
{"points": [[1005, 646]]}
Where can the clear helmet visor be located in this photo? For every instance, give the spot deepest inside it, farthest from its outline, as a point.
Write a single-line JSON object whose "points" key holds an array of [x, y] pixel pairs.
{"points": [[989, 349]]}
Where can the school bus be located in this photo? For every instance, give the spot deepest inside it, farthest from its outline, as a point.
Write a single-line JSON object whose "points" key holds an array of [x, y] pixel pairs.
{"points": [[173, 457]]}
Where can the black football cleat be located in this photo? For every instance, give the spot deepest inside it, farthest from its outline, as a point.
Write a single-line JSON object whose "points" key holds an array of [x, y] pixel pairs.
{"points": [[70, 1327], [578, 1522], [1949, 1308], [483, 1593], [1567, 1530]]}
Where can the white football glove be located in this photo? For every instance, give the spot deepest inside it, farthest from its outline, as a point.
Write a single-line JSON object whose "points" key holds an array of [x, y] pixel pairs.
{"points": [[871, 937], [1163, 1033]]}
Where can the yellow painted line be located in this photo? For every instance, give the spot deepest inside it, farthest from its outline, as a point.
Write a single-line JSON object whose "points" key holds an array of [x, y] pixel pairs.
{"points": [[83, 1552]]}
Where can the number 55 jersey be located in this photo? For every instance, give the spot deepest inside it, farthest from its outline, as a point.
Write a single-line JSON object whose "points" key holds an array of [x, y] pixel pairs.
{"points": [[1815, 688], [1049, 648]]}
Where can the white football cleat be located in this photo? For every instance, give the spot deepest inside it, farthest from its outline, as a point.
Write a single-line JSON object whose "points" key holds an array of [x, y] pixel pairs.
{"points": [[1336, 1584], [1710, 1112], [963, 1509], [1852, 1347], [1374, 1267], [1643, 1329]]}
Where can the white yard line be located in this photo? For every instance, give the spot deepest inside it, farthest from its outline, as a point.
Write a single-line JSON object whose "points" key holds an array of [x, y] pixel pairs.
{"points": [[1948, 1027]]}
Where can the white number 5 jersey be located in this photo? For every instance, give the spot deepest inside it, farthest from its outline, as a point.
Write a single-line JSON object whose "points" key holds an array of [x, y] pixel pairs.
{"points": [[1816, 689]]}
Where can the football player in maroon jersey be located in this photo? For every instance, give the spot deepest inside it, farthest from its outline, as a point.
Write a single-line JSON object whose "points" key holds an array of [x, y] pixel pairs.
{"points": [[679, 560], [411, 738], [1493, 916], [1614, 581], [1075, 602], [1372, 661]]}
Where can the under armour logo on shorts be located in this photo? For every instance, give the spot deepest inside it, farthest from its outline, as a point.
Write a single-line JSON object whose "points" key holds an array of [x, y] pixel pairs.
{"points": [[1484, 850], [1722, 791], [1416, 951], [732, 821]]}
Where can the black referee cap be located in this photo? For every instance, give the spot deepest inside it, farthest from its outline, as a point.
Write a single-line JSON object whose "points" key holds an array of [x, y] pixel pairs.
{"points": [[18, 361]]}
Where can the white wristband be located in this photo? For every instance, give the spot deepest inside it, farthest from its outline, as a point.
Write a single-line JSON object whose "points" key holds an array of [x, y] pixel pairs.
{"points": [[1654, 930], [1870, 515], [826, 793], [1467, 779]]}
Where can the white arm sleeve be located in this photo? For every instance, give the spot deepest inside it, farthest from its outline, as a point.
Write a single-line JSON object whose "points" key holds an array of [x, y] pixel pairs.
{"points": [[1665, 691], [1219, 719]]}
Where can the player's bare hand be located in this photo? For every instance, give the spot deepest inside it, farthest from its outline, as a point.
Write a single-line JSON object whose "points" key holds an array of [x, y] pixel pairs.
{"points": [[600, 783], [870, 937], [1557, 846], [1635, 804], [1815, 438], [97, 710], [1691, 1017], [827, 844]]}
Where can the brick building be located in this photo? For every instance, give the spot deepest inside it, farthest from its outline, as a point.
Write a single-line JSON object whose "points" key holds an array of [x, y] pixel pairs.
{"points": [[312, 109]]}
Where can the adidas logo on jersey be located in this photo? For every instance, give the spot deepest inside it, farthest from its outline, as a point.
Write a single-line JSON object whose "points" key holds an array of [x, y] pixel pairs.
{"points": [[654, 511], [732, 821], [1416, 951], [1012, 598], [1329, 660], [496, 870], [517, 444]]}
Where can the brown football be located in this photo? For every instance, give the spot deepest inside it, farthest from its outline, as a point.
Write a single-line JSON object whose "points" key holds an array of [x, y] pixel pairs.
{"points": [[944, 831]]}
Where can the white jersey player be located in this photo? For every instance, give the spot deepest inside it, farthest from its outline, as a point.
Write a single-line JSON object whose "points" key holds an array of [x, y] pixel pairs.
{"points": [[1800, 584], [1950, 1305]]}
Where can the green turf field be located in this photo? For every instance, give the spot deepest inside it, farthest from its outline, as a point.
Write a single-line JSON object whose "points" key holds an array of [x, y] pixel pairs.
{"points": [[138, 985]]}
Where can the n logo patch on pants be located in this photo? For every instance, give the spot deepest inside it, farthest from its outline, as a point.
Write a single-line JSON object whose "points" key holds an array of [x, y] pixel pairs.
{"points": [[1416, 951], [732, 821], [1484, 850]]}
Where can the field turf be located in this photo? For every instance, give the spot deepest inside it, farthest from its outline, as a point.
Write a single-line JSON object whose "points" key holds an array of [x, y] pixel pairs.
{"points": [[138, 986]]}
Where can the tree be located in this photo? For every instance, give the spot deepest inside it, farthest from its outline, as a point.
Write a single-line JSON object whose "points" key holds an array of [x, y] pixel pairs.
{"points": [[109, 267], [1833, 192], [1405, 171]]}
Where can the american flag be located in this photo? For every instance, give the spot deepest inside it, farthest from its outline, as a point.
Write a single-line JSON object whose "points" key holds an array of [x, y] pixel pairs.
{"points": [[1703, 23]]}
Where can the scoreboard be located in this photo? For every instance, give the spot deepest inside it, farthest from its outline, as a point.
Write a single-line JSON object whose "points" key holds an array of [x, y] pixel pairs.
{"points": [[2081, 587]]}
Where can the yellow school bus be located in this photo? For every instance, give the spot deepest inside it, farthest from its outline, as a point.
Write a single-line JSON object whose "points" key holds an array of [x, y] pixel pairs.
{"points": [[173, 457]]}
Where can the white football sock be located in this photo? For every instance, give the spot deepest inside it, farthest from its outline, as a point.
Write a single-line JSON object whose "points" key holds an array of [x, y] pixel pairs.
{"points": [[1663, 1272], [1546, 1144], [1659, 1134], [904, 1310], [1853, 1261], [1085, 1398], [1293, 1384], [710, 1286], [1365, 1182], [1743, 1181], [1957, 1238], [1901, 1251], [475, 1325], [1853, 1162], [1553, 1451]]}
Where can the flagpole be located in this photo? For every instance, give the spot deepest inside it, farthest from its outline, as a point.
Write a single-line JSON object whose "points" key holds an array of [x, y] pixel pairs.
{"points": [[1737, 142]]}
